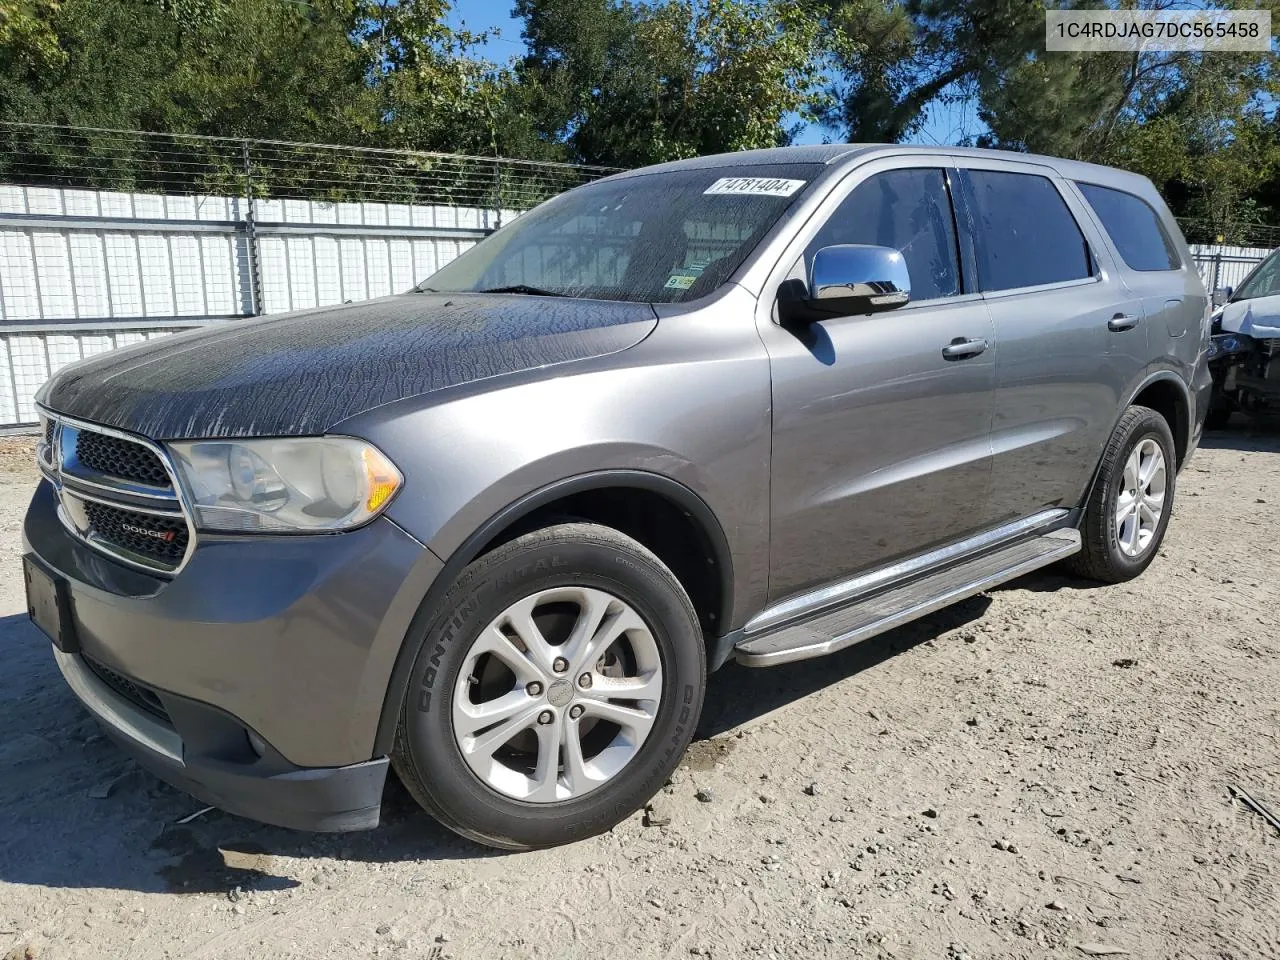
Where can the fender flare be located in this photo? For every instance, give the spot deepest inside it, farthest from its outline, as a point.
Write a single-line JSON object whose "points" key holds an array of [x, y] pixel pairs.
{"points": [[1157, 376], [685, 498]]}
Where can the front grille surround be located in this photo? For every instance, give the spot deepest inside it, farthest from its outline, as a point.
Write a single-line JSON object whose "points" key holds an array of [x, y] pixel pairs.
{"points": [[118, 493]]}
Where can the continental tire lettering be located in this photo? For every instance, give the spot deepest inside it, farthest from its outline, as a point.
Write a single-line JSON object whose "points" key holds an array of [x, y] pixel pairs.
{"points": [[538, 566], [429, 678], [682, 720]]}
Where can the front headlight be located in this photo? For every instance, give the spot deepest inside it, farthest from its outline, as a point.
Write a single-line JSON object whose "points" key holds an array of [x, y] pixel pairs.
{"points": [[291, 484]]}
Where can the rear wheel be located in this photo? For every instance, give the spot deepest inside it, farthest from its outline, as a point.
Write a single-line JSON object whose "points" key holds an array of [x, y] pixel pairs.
{"points": [[1132, 500], [556, 694]]}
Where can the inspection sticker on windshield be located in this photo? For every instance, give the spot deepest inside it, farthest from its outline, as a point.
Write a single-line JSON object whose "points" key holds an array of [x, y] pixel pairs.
{"points": [[755, 186]]}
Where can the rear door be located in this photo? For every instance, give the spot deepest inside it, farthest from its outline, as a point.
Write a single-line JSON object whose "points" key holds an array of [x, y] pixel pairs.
{"points": [[1173, 297], [1068, 332], [881, 445]]}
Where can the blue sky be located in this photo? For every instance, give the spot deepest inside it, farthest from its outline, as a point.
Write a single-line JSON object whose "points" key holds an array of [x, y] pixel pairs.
{"points": [[944, 124]]}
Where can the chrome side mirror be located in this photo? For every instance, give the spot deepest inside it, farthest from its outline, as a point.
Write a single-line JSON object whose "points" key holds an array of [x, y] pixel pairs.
{"points": [[1222, 295], [847, 279]]}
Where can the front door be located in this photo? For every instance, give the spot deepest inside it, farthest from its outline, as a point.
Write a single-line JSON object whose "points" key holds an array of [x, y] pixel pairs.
{"points": [[881, 444]]}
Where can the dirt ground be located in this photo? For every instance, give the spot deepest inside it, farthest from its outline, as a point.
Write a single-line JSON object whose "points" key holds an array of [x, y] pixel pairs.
{"points": [[1042, 772]]}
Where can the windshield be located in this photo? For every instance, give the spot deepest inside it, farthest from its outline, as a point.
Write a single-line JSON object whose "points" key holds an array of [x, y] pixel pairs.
{"points": [[1263, 282], [663, 237]]}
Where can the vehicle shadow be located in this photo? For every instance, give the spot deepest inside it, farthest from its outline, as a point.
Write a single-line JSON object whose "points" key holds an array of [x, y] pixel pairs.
{"points": [[737, 694], [1246, 434], [75, 812]]}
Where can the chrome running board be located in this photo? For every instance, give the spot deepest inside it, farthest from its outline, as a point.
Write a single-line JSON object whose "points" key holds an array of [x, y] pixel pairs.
{"points": [[847, 591], [898, 604]]}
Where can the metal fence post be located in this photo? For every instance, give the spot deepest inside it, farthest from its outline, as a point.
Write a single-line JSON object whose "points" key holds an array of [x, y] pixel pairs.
{"points": [[497, 194], [1217, 271], [251, 235]]}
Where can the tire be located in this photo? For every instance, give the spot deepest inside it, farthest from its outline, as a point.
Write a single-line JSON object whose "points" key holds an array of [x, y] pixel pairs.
{"points": [[508, 795], [1106, 553]]}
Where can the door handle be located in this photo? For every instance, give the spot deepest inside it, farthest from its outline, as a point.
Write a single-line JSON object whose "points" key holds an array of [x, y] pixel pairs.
{"points": [[1122, 321], [961, 348]]}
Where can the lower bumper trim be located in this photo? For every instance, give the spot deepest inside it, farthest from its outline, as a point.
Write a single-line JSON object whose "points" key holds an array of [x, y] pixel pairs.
{"points": [[324, 799]]}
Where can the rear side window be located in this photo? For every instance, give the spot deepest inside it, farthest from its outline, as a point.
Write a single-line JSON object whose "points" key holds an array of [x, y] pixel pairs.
{"points": [[1134, 227], [910, 211], [1026, 233]]}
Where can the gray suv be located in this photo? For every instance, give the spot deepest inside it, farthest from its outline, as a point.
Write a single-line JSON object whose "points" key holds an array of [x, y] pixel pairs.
{"points": [[494, 533]]}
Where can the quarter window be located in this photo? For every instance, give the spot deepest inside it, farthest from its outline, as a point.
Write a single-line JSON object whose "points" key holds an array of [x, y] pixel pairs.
{"points": [[1026, 233], [1134, 228], [910, 211]]}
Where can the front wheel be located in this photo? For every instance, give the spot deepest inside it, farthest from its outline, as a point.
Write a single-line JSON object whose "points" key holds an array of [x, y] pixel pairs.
{"points": [[556, 693], [1132, 499]]}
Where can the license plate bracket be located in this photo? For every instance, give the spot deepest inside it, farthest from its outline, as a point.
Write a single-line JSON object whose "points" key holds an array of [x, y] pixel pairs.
{"points": [[49, 605]]}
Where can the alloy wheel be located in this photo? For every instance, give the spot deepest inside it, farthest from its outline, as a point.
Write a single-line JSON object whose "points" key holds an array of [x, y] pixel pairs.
{"points": [[557, 694], [1141, 498]]}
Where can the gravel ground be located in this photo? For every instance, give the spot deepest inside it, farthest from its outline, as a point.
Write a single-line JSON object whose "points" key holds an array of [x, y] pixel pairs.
{"points": [[1041, 772]]}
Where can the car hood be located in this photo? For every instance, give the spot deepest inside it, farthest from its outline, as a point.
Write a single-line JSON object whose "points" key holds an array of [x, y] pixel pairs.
{"points": [[301, 373], [1258, 317]]}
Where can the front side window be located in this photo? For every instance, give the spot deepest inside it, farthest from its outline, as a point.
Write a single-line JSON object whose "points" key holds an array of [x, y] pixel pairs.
{"points": [[661, 237], [1026, 233], [910, 211], [1263, 282], [1134, 228]]}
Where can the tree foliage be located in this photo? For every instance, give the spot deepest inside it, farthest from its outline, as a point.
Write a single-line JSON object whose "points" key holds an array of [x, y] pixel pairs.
{"points": [[627, 82], [631, 83]]}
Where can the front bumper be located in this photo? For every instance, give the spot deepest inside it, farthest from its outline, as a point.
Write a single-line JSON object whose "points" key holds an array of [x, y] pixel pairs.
{"points": [[239, 782], [255, 679]]}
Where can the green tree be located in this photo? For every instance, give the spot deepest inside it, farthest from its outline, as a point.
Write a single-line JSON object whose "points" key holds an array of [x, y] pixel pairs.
{"points": [[26, 37], [1196, 123], [630, 83]]}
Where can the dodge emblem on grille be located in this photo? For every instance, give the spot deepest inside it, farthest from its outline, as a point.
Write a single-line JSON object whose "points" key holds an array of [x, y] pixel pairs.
{"points": [[165, 535]]}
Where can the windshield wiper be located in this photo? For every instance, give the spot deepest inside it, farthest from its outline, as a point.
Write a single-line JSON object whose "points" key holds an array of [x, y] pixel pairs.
{"points": [[524, 288]]}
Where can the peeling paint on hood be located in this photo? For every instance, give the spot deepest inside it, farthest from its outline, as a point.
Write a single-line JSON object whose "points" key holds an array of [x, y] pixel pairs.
{"points": [[300, 373]]}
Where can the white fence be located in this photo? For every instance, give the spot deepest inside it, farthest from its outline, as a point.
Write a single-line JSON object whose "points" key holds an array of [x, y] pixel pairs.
{"points": [[84, 271], [1222, 266]]}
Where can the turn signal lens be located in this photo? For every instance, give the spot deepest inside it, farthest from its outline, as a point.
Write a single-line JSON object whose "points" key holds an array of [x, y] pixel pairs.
{"points": [[382, 479]]}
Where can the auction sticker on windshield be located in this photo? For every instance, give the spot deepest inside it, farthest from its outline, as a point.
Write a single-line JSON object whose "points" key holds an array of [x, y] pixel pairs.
{"points": [[755, 186]]}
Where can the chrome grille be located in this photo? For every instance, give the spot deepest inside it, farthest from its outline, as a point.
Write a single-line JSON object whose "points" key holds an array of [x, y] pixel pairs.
{"points": [[162, 538], [115, 457], [45, 447], [116, 493]]}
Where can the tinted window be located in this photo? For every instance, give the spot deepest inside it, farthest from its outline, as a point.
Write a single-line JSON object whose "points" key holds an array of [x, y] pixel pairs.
{"points": [[910, 211], [659, 237], [1134, 227], [1026, 234]]}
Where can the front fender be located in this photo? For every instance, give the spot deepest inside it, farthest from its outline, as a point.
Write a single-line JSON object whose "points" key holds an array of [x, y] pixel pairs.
{"points": [[692, 407], [690, 414]]}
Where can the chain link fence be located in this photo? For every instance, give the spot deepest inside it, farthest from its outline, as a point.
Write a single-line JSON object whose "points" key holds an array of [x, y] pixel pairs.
{"points": [[108, 237], [186, 164]]}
